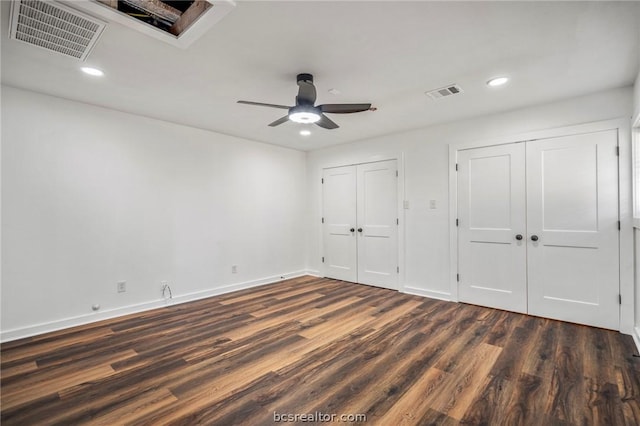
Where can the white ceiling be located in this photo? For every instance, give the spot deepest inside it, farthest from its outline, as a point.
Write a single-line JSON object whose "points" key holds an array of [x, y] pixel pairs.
{"points": [[387, 53]]}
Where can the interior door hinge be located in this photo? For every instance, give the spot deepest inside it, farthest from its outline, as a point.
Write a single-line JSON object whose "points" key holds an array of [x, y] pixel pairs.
{"points": [[397, 269], [322, 180], [323, 220], [619, 299], [617, 150], [397, 221], [618, 225], [322, 259], [458, 277], [456, 167], [396, 173], [457, 222]]}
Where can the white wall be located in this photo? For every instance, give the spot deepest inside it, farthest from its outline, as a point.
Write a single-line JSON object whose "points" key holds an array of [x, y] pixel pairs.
{"points": [[636, 132], [426, 176], [636, 97], [636, 240], [92, 196]]}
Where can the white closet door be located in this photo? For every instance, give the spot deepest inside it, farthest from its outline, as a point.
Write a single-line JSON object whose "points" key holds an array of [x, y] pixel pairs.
{"points": [[572, 196], [492, 227], [377, 224], [339, 214]]}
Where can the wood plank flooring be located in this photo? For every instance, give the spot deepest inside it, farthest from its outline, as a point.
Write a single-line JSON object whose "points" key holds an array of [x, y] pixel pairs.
{"points": [[313, 345]]}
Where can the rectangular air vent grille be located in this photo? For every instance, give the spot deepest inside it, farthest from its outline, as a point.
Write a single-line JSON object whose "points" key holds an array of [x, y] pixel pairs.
{"points": [[54, 27], [450, 90]]}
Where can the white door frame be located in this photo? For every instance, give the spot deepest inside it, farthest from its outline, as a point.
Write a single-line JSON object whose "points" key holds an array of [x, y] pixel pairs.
{"points": [[399, 157], [635, 129], [625, 206]]}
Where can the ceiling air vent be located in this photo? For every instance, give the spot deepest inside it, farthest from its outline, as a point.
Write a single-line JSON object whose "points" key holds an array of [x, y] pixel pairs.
{"points": [[450, 90], [54, 27]]}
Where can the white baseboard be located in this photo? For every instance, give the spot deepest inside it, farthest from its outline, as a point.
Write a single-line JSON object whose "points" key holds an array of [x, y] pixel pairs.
{"points": [[33, 330], [440, 295], [313, 272]]}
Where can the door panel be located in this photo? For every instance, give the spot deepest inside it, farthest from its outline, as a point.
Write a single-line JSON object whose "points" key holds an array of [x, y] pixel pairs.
{"points": [[572, 197], [377, 217], [491, 210], [339, 213]]}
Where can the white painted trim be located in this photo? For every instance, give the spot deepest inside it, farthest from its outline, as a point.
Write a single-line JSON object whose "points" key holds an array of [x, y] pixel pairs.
{"points": [[626, 242], [625, 207], [636, 337], [33, 330], [399, 157], [453, 229], [402, 229], [440, 295], [596, 126], [312, 272], [635, 152]]}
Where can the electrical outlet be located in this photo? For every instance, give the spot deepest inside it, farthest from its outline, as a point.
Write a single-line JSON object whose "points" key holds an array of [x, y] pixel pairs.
{"points": [[122, 286], [234, 269], [166, 290]]}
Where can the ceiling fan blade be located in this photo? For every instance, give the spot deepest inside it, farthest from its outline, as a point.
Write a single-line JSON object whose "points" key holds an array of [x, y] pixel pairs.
{"points": [[326, 123], [306, 93], [279, 121], [265, 105], [344, 108]]}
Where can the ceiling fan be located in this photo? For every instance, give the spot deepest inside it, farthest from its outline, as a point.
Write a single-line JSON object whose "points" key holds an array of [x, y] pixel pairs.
{"points": [[305, 110]]}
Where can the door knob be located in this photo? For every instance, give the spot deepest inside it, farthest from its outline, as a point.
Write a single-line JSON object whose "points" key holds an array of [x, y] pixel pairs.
{"points": [[352, 230], [534, 238], [518, 237], [359, 229]]}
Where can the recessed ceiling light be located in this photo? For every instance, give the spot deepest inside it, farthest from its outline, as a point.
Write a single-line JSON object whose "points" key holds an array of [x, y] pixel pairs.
{"points": [[92, 71], [498, 81], [334, 91], [305, 132]]}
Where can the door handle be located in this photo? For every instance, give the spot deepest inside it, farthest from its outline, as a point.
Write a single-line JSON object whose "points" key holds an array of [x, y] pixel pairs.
{"points": [[518, 237], [359, 229], [534, 238], [352, 230]]}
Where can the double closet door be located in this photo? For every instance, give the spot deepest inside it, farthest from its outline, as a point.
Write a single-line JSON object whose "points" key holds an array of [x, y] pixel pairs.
{"points": [[360, 223], [538, 228]]}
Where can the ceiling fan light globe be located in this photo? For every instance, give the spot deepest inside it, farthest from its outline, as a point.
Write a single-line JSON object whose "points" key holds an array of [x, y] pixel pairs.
{"points": [[305, 117]]}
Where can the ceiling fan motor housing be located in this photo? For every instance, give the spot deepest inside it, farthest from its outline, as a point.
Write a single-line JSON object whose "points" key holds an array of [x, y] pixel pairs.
{"points": [[304, 77]]}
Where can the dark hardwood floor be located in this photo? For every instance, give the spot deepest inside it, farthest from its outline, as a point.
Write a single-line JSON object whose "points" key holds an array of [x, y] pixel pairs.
{"points": [[312, 345]]}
